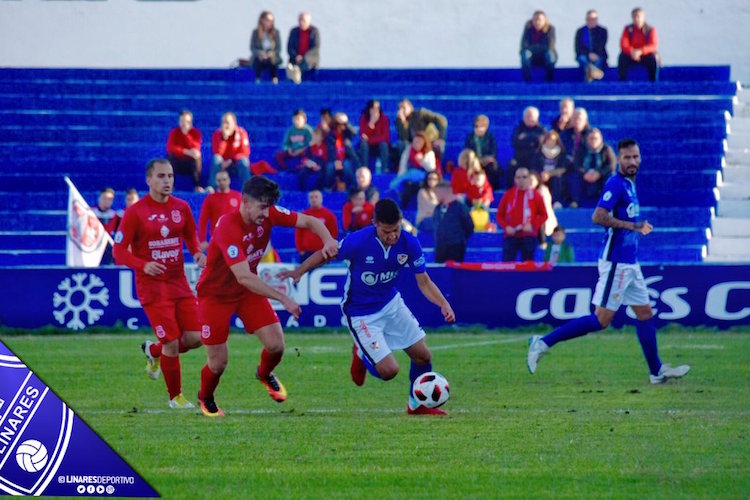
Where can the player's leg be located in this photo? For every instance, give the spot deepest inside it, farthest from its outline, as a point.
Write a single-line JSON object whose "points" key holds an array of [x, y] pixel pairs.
{"points": [[371, 348], [214, 318], [187, 318]]}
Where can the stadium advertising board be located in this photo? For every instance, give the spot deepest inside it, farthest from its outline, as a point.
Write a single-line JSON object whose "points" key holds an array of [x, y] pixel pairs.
{"points": [[78, 299]]}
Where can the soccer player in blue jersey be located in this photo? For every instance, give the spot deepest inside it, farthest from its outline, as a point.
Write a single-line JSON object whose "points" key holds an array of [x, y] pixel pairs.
{"points": [[620, 277], [376, 315]]}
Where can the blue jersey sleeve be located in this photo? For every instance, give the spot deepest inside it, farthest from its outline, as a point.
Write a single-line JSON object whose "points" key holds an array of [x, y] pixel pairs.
{"points": [[611, 193], [416, 255], [346, 248]]}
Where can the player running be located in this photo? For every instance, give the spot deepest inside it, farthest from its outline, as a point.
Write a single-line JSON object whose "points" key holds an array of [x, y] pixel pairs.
{"points": [[230, 285], [149, 240], [376, 315], [620, 277]]}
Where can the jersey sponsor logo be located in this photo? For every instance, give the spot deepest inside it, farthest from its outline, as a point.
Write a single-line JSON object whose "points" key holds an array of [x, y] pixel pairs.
{"points": [[607, 196], [159, 217], [256, 255], [160, 332], [402, 258], [233, 251], [283, 210], [233, 202], [206, 331], [633, 210], [165, 255], [164, 231], [369, 259], [176, 216], [167, 242], [118, 237], [369, 278]]}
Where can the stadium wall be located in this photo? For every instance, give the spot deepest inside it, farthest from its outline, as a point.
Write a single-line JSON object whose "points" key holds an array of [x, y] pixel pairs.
{"points": [[383, 34], [78, 299]]}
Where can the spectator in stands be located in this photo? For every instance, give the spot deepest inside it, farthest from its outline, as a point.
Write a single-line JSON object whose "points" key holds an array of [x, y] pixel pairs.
{"points": [[364, 183], [410, 121], [231, 148], [560, 251], [416, 161], [131, 196], [551, 222], [520, 214], [480, 193], [639, 45], [563, 120], [357, 212], [222, 201], [574, 138], [553, 166], [427, 201], [593, 165], [591, 47], [265, 48], [483, 143], [184, 149], [527, 136], [468, 165], [314, 161], [326, 121], [452, 225], [538, 46], [304, 50], [342, 160], [109, 218], [374, 135], [296, 140], [307, 242]]}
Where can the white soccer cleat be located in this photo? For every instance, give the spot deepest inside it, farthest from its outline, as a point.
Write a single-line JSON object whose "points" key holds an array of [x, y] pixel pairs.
{"points": [[668, 371], [180, 402], [537, 349], [153, 368]]}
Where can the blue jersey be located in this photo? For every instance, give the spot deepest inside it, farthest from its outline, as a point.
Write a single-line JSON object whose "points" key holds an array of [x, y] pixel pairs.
{"points": [[619, 198], [373, 269]]}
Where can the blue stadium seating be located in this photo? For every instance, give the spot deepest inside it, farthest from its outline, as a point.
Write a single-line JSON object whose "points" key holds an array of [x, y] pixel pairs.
{"points": [[100, 126]]}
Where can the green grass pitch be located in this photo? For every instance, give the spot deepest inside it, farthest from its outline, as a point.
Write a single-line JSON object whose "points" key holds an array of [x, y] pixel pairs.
{"points": [[587, 424]]}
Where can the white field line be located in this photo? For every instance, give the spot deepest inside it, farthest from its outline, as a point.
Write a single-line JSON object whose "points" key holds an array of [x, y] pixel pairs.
{"points": [[707, 347], [258, 411]]}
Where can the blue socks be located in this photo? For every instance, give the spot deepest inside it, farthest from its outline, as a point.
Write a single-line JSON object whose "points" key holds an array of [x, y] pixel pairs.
{"points": [[370, 367], [416, 370], [647, 337], [572, 329]]}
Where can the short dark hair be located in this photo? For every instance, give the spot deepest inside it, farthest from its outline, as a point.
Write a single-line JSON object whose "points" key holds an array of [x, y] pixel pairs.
{"points": [[354, 192], [131, 191], [558, 228], [387, 211], [107, 190], [152, 163], [262, 189], [626, 143], [186, 112], [326, 111], [299, 111]]}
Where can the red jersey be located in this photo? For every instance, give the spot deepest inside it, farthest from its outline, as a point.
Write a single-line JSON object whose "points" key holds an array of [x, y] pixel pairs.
{"points": [[353, 221], [155, 233], [177, 142], [234, 241], [214, 206], [307, 241], [483, 194], [234, 147], [459, 180]]}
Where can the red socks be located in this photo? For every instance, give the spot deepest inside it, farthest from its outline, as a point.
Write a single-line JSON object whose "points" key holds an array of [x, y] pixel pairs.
{"points": [[170, 368], [209, 381], [268, 362]]}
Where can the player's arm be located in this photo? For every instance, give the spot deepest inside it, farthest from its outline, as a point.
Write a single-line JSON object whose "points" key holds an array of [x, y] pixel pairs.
{"points": [[330, 245], [192, 242], [602, 217], [312, 262], [430, 290], [121, 251], [255, 284]]}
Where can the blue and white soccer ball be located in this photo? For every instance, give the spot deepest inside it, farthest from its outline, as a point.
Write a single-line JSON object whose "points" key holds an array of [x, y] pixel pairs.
{"points": [[431, 389], [31, 455]]}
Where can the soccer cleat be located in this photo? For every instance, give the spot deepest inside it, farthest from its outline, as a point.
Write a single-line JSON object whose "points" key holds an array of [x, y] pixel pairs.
{"points": [[537, 349], [423, 410], [276, 389], [668, 371], [153, 368], [180, 402], [209, 408], [357, 369]]}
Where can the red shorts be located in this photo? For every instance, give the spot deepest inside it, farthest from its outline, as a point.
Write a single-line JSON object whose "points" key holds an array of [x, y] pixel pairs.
{"points": [[169, 318], [254, 310]]}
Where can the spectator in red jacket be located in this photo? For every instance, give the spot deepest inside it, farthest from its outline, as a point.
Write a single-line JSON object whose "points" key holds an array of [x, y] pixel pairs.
{"points": [[184, 149], [216, 204], [307, 242], [639, 45], [468, 165], [480, 191], [521, 214], [357, 212], [374, 135], [231, 148]]}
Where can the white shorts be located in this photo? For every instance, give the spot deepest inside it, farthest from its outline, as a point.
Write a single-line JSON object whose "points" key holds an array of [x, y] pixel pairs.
{"points": [[620, 283], [393, 327]]}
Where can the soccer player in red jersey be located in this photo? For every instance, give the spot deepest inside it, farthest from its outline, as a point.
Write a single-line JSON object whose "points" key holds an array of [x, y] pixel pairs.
{"points": [[230, 285], [149, 240], [222, 201]]}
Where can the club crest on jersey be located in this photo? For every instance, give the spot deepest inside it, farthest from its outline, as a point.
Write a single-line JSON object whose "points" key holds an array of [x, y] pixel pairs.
{"points": [[176, 216], [260, 231], [233, 202], [607, 196], [164, 231], [160, 331], [402, 258]]}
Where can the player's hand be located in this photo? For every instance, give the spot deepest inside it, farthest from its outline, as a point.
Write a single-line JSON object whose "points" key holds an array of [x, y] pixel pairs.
{"points": [[643, 227], [448, 313], [291, 306], [528, 228], [225, 164], [290, 273], [200, 259], [330, 248], [154, 268], [438, 143], [510, 230]]}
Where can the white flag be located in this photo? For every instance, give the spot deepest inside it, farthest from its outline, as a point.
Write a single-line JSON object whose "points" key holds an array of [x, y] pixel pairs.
{"points": [[86, 237]]}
